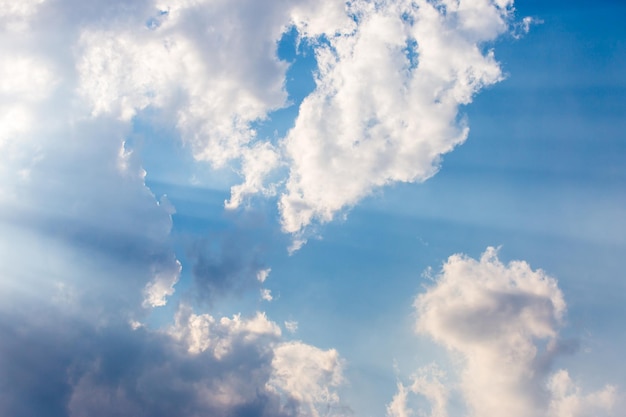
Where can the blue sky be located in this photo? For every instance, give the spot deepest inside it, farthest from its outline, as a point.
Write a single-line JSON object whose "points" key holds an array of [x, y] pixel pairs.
{"points": [[312, 208]]}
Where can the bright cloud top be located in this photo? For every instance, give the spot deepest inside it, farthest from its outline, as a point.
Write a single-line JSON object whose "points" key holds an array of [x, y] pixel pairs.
{"points": [[503, 322]]}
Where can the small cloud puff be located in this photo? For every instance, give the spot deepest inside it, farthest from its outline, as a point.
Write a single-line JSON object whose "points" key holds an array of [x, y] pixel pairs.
{"points": [[262, 275], [291, 326], [266, 294], [161, 286]]}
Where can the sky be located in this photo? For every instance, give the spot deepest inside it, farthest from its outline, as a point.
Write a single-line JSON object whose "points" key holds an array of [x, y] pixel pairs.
{"points": [[312, 208]]}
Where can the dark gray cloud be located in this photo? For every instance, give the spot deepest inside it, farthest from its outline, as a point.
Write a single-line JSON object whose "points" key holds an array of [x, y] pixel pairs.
{"points": [[60, 367]]}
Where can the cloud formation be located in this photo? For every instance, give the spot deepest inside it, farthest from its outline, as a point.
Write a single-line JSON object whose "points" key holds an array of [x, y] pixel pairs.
{"points": [[502, 321], [60, 366], [85, 244], [191, 62], [385, 107]]}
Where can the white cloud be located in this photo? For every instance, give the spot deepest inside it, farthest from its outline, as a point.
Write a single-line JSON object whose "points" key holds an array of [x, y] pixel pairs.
{"points": [[161, 286], [427, 382], [266, 294], [391, 77], [196, 63], [14, 14], [325, 17], [25, 82], [386, 103], [27, 78], [21, 8], [203, 332], [76, 209], [308, 374], [262, 275], [257, 163], [419, 63], [503, 321], [568, 401]]}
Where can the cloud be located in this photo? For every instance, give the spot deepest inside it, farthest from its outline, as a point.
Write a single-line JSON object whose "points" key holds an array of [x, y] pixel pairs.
{"points": [[262, 275], [57, 366], [503, 322], [191, 63], [386, 103], [161, 287], [428, 383], [308, 375], [197, 64], [73, 195], [85, 243], [266, 294]]}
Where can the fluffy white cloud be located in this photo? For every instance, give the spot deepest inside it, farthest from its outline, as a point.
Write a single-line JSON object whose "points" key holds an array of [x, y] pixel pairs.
{"points": [[503, 322], [428, 383], [161, 286], [213, 80], [309, 375], [568, 401], [203, 332], [262, 275], [385, 107], [266, 294], [194, 60]]}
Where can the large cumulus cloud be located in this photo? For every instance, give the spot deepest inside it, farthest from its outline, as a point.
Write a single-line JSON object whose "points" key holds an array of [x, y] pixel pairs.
{"points": [[501, 322], [386, 103]]}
